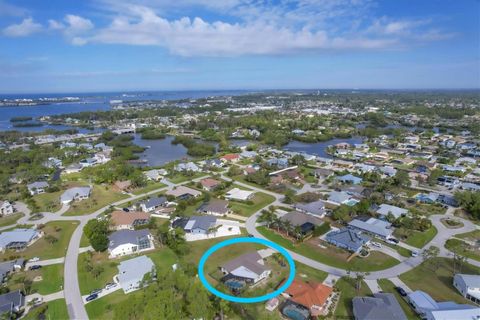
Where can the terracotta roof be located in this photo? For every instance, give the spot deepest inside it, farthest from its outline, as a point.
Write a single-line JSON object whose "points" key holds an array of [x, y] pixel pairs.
{"points": [[308, 294], [230, 156], [209, 182], [120, 218]]}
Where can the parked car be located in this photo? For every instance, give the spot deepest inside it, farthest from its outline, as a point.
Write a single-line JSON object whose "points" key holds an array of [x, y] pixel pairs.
{"points": [[376, 244], [92, 297], [392, 241], [35, 267], [401, 291], [414, 253], [34, 259], [126, 209], [110, 286], [96, 291]]}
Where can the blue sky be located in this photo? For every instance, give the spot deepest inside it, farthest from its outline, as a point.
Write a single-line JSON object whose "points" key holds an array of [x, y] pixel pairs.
{"points": [[110, 45]]}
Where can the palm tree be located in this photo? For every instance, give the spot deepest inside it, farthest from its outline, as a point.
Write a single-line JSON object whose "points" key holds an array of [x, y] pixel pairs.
{"points": [[287, 226]]}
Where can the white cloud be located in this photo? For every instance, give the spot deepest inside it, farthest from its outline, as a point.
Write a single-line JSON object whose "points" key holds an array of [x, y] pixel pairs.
{"points": [[77, 24], [55, 25], [23, 29]]}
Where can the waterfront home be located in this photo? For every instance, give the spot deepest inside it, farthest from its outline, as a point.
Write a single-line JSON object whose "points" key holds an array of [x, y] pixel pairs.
{"points": [[278, 162], [313, 296], [348, 239], [187, 167], [183, 193], [248, 267], [209, 184], [121, 220], [73, 168], [11, 304], [349, 178], [153, 204], [37, 187], [375, 227], [216, 207], [315, 208], [240, 195], [155, 174], [6, 208], [18, 239], [125, 242], [75, 194], [385, 209], [131, 273], [427, 308], [231, 157], [468, 285], [380, 306], [323, 174]]}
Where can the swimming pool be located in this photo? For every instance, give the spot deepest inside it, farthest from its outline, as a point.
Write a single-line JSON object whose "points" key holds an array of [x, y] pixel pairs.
{"points": [[294, 312], [234, 284]]}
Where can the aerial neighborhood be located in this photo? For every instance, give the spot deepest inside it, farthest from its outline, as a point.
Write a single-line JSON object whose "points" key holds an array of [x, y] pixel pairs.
{"points": [[376, 201]]}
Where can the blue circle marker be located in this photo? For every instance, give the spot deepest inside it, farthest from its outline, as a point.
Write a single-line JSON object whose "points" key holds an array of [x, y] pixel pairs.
{"points": [[228, 242]]}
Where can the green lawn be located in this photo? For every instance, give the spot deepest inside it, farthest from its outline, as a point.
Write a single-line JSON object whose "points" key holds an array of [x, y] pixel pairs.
{"points": [[179, 178], [260, 200], [102, 309], [84, 242], [307, 273], [61, 230], [85, 278], [388, 286], [48, 202], [437, 283], [101, 196], [8, 220], [52, 279], [376, 260], [470, 236], [151, 186], [55, 310], [420, 239], [347, 289], [469, 251]]}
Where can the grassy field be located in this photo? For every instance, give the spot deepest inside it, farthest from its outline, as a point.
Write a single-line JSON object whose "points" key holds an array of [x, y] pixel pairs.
{"points": [[85, 279], [48, 202], [469, 251], [56, 309], [306, 273], [470, 236], [347, 289], [437, 283], [259, 200], [52, 279], [8, 220], [149, 187], [333, 256], [102, 309], [61, 230], [179, 178], [101, 196], [388, 286], [420, 239]]}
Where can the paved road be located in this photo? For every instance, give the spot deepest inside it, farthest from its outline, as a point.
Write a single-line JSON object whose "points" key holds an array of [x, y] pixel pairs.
{"points": [[45, 262]]}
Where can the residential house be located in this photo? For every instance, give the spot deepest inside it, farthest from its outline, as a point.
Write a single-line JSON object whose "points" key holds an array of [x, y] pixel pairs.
{"points": [[131, 273], [73, 168], [196, 224], [240, 195], [427, 198], [209, 184], [323, 174], [182, 193], [213, 163], [18, 239], [364, 168], [385, 209], [6, 208], [425, 306], [37, 187], [340, 197], [348, 239], [121, 220], [155, 174], [380, 306], [75, 194], [215, 207], [468, 285], [88, 162], [153, 204], [376, 227], [7, 267], [125, 242], [312, 295], [53, 163], [278, 162], [249, 267], [231, 157], [315, 208], [349, 178], [187, 167], [388, 171], [305, 222], [11, 303], [248, 154]]}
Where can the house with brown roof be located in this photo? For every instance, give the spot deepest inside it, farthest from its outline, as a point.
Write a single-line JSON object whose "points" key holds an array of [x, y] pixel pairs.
{"points": [[182, 193], [209, 184], [215, 207], [121, 220], [313, 296], [231, 157]]}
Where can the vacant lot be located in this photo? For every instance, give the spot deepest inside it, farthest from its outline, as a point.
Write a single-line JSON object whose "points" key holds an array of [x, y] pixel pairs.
{"points": [[101, 196], [259, 201], [420, 239], [9, 220], [56, 309]]}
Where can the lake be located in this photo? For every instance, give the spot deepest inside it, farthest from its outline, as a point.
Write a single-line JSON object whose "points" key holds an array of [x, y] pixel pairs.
{"points": [[318, 148], [161, 151]]}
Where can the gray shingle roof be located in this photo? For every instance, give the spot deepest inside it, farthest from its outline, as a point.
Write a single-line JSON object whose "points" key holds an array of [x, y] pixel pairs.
{"points": [[316, 207], [248, 260], [381, 306], [347, 238], [126, 236]]}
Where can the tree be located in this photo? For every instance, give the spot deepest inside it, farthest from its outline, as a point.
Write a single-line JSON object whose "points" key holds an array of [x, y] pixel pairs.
{"points": [[289, 196], [401, 178], [434, 175], [429, 256], [470, 201], [97, 233]]}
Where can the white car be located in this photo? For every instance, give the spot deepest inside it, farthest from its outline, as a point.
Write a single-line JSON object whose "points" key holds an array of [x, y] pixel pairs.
{"points": [[414, 253], [34, 259], [110, 286], [376, 244]]}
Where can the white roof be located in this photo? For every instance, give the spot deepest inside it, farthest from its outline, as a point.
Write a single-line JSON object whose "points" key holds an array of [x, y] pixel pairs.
{"points": [[133, 270], [17, 235], [457, 314], [384, 209], [236, 193]]}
